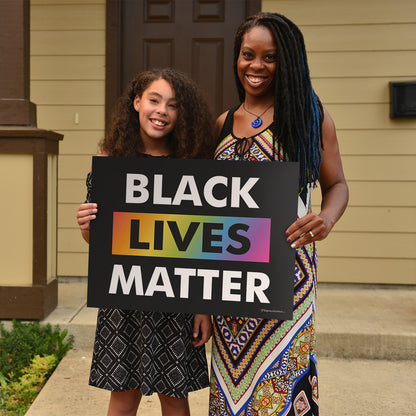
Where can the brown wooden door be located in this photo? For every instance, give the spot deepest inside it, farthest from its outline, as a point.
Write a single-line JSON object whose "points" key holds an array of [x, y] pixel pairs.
{"points": [[195, 36]]}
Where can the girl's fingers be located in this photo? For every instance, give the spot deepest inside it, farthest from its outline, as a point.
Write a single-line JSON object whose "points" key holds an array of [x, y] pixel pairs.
{"points": [[86, 213]]}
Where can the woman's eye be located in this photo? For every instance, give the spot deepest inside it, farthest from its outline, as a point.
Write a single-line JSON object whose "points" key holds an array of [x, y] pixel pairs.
{"points": [[153, 101], [270, 58], [173, 106], [247, 55]]}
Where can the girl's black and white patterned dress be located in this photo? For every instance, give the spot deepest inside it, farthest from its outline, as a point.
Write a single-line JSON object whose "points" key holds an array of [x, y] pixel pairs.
{"points": [[149, 351]]}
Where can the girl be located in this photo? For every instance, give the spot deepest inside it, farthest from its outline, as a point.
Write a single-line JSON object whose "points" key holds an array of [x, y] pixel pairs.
{"points": [[137, 353], [260, 366]]}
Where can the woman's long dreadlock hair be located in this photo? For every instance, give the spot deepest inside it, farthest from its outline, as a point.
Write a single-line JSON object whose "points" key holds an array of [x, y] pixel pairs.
{"points": [[298, 112]]}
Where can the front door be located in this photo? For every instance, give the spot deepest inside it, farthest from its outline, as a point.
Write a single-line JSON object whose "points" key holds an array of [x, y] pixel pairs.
{"points": [[195, 36]]}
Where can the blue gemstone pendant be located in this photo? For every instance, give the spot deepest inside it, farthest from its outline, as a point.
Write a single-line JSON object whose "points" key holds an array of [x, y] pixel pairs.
{"points": [[257, 123]]}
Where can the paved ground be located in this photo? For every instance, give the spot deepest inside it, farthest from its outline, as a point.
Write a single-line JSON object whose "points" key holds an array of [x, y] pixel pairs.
{"points": [[347, 388], [366, 355]]}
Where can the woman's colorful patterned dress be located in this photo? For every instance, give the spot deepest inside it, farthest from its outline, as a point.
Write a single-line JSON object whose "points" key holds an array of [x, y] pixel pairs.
{"points": [[259, 366]]}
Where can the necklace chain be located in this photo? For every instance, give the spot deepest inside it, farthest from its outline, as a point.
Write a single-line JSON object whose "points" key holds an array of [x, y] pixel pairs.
{"points": [[245, 109], [257, 121]]}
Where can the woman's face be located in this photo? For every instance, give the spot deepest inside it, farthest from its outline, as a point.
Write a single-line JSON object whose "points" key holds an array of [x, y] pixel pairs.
{"points": [[256, 64], [157, 108]]}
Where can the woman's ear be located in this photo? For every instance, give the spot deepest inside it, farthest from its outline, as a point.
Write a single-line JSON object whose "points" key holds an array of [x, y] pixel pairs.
{"points": [[136, 103]]}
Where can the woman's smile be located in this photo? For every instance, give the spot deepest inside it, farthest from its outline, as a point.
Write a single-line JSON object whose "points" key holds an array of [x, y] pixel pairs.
{"points": [[255, 80]]}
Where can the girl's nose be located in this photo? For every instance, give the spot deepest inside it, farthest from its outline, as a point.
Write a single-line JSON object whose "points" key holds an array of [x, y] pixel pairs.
{"points": [[161, 109]]}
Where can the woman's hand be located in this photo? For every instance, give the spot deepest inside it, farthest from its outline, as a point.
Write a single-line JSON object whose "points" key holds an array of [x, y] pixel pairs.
{"points": [[334, 189], [311, 227], [85, 214], [202, 330]]}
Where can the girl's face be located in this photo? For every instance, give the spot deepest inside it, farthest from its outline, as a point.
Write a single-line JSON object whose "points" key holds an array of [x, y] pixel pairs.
{"points": [[157, 110], [256, 64]]}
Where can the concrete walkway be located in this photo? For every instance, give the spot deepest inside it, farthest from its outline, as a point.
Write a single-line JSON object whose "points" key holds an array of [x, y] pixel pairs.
{"points": [[366, 355]]}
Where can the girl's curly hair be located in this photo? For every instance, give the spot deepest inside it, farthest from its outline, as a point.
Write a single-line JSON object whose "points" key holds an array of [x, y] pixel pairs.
{"points": [[193, 135]]}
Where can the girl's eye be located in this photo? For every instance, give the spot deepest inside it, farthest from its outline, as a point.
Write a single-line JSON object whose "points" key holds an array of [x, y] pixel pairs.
{"points": [[153, 100], [270, 58], [173, 106]]}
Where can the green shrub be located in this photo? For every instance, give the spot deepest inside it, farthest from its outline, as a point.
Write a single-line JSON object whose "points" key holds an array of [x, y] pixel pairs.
{"points": [[17, 396], [27, 339], [28, 355]]}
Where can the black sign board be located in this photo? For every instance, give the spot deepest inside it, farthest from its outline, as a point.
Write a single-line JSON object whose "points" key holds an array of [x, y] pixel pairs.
{"points": [[195, 236]]}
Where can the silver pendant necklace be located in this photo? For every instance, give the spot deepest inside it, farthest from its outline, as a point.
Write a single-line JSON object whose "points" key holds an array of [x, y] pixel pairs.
{"points": [[257, 122]]}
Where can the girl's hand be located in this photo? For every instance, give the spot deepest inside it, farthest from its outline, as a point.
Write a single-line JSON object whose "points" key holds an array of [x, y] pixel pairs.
{"points": [[86, 213], [202, 330], [311, 227]]}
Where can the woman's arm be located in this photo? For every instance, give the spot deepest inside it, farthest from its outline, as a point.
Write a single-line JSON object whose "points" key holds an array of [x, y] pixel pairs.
{"points": [[334, 189], [202, 330]]}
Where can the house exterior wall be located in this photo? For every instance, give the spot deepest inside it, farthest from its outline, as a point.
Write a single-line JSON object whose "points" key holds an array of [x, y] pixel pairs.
{"points": [[68, 86], [355, 49]]}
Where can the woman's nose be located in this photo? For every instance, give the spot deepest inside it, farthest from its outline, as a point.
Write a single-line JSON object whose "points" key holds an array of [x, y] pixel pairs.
{"points": [[257, 63]]}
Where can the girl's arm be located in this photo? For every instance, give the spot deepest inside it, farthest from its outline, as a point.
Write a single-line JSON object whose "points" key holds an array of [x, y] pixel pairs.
{"points": [[86, 213], [334, 191], [202, 330]]}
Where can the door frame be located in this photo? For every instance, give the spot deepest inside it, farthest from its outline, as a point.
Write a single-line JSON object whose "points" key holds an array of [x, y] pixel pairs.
{"points": [[113, 87]]}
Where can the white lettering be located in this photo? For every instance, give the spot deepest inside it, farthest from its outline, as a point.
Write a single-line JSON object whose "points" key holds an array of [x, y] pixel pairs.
{"points": [[238, 192], [118, 275], [157, 194], [164, 287], [185, 274], [228, 285], [187, 180], [207, 275], [187, 190], [258, 290], [132, 187], [256, 283]]}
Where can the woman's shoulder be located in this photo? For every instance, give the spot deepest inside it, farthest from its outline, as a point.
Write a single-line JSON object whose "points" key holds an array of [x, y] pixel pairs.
{"points": [[225, 121], [220, 122], [329, 134]]}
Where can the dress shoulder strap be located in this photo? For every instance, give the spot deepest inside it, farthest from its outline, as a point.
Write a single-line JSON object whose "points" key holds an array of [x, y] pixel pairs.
{"points": [[227, 127]]}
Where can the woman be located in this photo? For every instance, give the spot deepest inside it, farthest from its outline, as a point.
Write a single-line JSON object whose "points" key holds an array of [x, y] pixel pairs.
{"points": [[261, 366]]}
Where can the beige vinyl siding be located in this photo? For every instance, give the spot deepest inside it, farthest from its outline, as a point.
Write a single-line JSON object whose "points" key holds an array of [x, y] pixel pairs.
{"points": [[68, 82], [355, 49], [339, 12]]}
